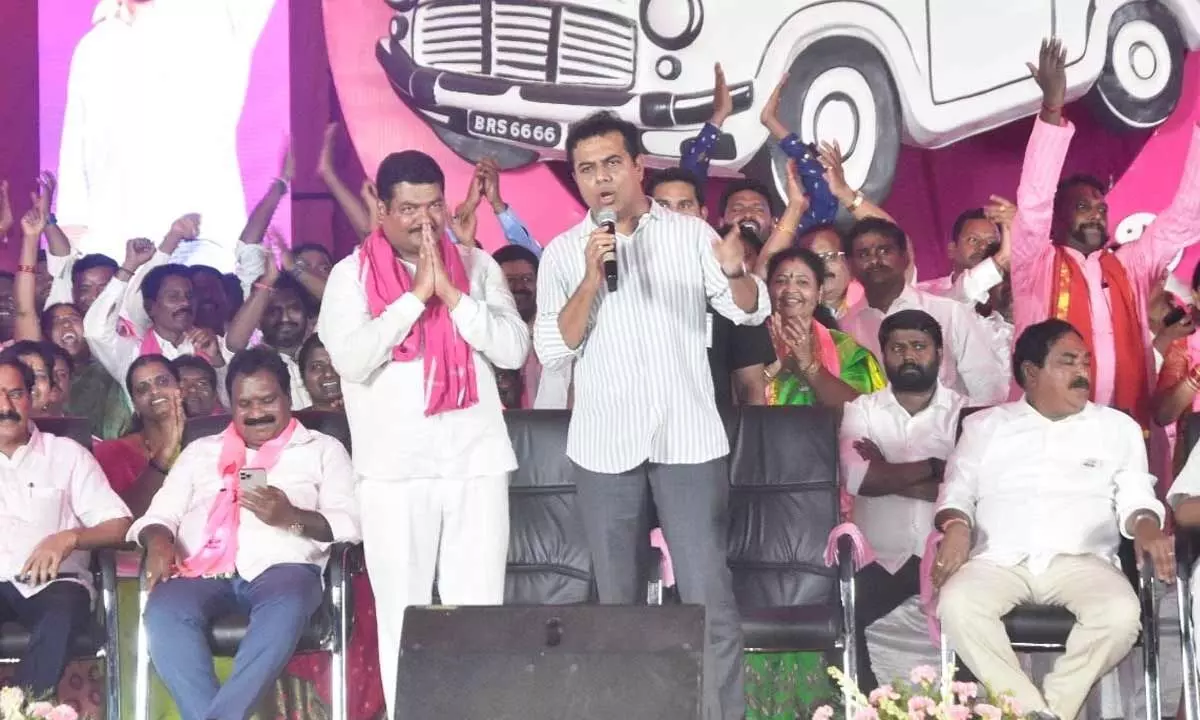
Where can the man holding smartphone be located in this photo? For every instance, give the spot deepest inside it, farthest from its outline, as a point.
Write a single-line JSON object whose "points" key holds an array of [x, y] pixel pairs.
{"points": [[243, 522]]}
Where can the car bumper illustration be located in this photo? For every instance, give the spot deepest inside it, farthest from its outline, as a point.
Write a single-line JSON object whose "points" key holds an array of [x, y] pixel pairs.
{"points": [[440, 96]]}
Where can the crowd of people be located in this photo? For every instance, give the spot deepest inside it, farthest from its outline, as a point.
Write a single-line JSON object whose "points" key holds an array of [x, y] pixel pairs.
{"points": [[422, 339]]}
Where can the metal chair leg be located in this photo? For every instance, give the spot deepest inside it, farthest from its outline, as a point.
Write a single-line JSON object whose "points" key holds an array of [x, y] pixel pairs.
{"points": [[339, 703], [1187, 646], [947, 658], [142, 657], [1151, 676]]}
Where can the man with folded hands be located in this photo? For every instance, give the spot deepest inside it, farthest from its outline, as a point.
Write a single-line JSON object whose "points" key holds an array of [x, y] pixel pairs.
{"points": [[55, 505], [1037, 497], [215, 546]]}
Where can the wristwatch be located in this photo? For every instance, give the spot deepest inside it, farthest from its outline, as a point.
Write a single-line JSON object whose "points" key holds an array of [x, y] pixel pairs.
{"points": [[51, 219], [858, 200]]}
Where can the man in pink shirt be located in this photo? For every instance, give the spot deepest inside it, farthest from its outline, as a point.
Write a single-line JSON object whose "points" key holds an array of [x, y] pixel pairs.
{"points": [[1063, 267]]}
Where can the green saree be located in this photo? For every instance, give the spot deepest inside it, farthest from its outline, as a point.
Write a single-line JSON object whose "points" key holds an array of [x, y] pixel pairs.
{"points": [[786, 686]]}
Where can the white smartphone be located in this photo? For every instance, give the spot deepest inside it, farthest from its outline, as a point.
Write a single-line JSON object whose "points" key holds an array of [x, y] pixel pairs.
{"points": [[252, 478]]}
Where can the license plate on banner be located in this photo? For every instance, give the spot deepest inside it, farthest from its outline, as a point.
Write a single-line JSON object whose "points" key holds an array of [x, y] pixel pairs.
{"points": [[506, 127]]}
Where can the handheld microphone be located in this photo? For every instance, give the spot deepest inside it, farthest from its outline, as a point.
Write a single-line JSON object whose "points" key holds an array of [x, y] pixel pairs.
{"points": [[607, 219]]}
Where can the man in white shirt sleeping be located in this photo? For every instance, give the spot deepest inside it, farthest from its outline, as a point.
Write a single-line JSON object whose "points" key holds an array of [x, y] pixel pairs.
{"points": [[1038, 494], [894, 444], [55, 505], [413, 324], [215, 546]]}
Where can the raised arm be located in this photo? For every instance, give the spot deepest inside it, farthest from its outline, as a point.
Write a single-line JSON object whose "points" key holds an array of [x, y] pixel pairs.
{"points": [[248, 317], [356, 211], [695, 155], [357, 343], [260, 216], [28, 320], [6, 211], [1044, 157], [784, 232], [487, 173], [113, 351]]}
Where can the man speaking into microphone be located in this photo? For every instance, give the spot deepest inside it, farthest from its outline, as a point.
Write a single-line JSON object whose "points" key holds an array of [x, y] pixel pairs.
{"points": [[644, 410]]}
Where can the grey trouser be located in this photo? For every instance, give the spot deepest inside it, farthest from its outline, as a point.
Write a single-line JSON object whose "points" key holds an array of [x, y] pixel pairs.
{"points": [[693, 504]]}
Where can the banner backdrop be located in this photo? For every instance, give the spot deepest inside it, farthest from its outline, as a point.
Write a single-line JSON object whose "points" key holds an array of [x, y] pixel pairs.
{"points": [[929, 190]]}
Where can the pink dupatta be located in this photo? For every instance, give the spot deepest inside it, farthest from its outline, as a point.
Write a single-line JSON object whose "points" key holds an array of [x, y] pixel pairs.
{"points": [[218, 555], [449, 365]]}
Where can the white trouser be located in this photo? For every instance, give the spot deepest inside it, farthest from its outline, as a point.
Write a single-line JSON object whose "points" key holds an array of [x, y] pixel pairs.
{"points": [[416, 529]]}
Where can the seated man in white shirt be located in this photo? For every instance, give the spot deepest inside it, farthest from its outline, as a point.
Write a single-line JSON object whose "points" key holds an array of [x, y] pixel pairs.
{"points": [[242, 523], [1037, 497], [55, 505], [894, 444], [169, 301]]}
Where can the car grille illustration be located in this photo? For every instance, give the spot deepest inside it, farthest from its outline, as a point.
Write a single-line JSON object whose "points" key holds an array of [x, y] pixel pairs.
{"points": [[526, 42]]}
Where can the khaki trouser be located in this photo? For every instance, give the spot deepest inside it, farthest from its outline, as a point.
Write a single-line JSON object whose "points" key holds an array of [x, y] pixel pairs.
{"points": [[1097, 593]]}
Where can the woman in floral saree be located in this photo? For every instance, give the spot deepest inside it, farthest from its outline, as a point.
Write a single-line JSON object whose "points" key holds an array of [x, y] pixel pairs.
{"points": [[817, 365]]}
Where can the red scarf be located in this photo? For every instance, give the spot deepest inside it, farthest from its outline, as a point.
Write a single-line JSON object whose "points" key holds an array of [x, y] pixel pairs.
{"points": [[218, 555], [1070, 301], [449, 361]]}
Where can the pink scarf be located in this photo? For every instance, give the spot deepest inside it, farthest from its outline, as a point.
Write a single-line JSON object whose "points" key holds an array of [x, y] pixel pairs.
{"points": [[1193, 347], [218, 555], [449, 365], [829, 352], [151, 346]]}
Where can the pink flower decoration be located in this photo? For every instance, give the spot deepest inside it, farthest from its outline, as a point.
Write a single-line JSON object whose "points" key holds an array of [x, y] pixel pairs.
{"points": [[39, 709], [1011, 706], [919, 705], [866, 714], [958, 712], [881, 693], [63, 712], [964, 690], [824, 712], [923, 675], [988, 712]]}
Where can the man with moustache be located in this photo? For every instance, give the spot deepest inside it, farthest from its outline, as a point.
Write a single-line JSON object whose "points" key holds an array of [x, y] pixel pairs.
{"points": [[646, 340], [282, 309], [894, 444], [879, 254], [413, 324], [1008, 540], [95, 394], [320, 377], [738, 355], [55, 506], [539, 387], [197, 386], [214, 548], [167, 299], [1063, 266]]}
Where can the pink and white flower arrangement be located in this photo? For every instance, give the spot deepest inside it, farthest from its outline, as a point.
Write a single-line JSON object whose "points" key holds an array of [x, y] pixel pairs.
{"points": [[921, 697], [15, 704]]}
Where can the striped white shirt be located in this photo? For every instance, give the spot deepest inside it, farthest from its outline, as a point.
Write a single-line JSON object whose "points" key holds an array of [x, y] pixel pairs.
{"points": [[643, 388]]}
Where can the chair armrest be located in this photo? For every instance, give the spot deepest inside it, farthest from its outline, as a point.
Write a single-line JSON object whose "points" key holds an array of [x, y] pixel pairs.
{"points": [[104, 566], [1187, 541], [345, 561]]}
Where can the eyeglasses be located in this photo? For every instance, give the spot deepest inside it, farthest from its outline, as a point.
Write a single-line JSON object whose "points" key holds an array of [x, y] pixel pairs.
{"points": [[831, 255]]}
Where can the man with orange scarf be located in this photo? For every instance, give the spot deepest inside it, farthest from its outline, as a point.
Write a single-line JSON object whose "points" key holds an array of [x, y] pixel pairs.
{"points": [[1063, 267], [413, 324]]}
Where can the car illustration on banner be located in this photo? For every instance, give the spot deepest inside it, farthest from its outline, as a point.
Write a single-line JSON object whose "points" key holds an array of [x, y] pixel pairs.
{"points": [[506, 77]]}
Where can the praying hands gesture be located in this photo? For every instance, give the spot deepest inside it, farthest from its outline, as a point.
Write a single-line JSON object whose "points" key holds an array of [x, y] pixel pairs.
{"points": [[799, 341], [431, 277]]}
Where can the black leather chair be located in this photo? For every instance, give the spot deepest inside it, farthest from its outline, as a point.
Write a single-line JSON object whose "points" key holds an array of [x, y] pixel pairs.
{"points": [[331, 625], [1187, 552], [548, 559], [99, 639], [1044, 628], [783, 504]]}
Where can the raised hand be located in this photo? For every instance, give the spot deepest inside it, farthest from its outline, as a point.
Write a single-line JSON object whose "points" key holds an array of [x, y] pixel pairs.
{"points": [[186, 227], [830, 155], [722, 98], [796, 197], [277, 247], [287, 167], [6, 211], [204, 341], [1051, 76], [47, 184], [731, 252], [464, 222], [138, 252], [169, 443], [770, 112], [325, 160], [1002, 212], [33, 222]]}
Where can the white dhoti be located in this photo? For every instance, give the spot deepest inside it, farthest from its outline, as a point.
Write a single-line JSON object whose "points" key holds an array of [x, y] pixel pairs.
{"points": [[416, 530]]}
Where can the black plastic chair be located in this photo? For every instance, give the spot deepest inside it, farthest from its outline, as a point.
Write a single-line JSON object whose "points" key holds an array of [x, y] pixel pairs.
{"points": [[784, 501], [329, 631], [1044, 628], [548, 558]]}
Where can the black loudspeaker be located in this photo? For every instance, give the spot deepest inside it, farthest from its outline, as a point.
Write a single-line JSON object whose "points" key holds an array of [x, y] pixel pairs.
{"points": [[551, 662]]}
